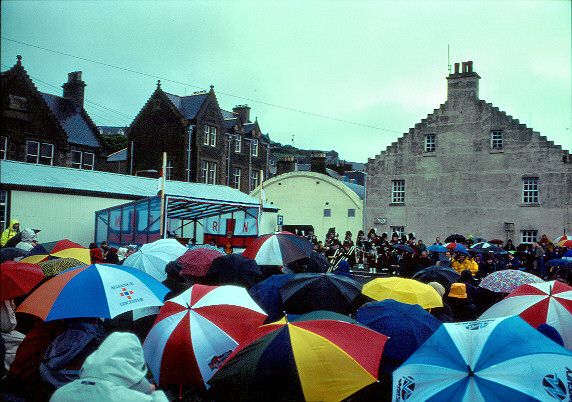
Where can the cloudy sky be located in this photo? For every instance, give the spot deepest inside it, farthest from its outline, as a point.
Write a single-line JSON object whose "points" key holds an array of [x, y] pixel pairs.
{"points": [[350, 76]]}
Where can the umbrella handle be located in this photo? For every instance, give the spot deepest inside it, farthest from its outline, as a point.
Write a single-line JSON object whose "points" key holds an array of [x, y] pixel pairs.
{"points": [[180, 392]]}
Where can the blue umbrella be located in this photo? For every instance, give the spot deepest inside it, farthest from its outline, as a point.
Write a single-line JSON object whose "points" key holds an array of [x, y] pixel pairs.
{"points": [[568, 253], [408, 326], [560, 262], [267, 295], [403, 247], [503, 359], [459, 248], [437, 248]]}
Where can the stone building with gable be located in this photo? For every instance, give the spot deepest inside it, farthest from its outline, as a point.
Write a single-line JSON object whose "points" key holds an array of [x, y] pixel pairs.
{"points": [[48, 129], [204, 143], [470, 168]]}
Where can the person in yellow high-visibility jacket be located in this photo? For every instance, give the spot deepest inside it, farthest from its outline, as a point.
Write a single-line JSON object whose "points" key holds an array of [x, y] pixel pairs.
{"points": [[10, 232], [461, 262]]}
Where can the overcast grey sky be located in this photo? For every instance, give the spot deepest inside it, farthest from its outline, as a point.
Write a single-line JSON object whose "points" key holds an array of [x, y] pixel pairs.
{"points": [[377, 63]]}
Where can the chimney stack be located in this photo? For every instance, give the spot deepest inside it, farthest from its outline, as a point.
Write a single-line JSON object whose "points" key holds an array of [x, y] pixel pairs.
{"points": [[74, 89], [318, 163], [285, 165], [464, 84], [243, 112]]}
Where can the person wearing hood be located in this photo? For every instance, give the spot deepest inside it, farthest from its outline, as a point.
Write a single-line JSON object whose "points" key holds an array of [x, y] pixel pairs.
{"points": [[28, 240], [116, 371], [12, 339], [12, 230]]}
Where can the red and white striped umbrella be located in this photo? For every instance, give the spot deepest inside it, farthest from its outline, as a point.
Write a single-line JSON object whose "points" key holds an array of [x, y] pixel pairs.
{"points": [[278, 249], [539, 303], [196, 331]]}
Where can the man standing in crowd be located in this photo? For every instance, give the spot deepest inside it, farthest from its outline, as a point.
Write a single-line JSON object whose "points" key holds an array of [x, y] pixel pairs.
{"points": [[12, 230]]}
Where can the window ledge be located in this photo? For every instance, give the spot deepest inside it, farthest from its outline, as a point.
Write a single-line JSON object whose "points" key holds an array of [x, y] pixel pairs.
{"points": [[396, 204], [530, 205], [425, 153], [496, 151]]}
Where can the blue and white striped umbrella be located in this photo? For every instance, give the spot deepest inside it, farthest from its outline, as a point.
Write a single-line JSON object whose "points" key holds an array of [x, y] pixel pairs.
{"points": [[503, 359]]}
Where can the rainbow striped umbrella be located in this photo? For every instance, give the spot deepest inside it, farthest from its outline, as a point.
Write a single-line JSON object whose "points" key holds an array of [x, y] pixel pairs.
{"points": [[60, 249], [278, 249], [98, 290], [320, 356]]}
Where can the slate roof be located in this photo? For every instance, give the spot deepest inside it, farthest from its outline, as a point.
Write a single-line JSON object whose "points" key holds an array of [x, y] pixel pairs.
{"points": [[228, 115], [118, 156], [188, 105], [72, 121]]}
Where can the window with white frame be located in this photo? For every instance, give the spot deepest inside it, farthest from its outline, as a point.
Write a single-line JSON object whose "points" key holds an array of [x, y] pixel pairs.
{"points": [[530, 190], [397, 229], [3, 209], [212, 172], [207, 137], [398, 191], [254, 179], [236, 177], [83, 160], [238, 143], [3, 147], [528, 236], [213, 136], [430, 143], [208, 172], [39, 153], [204, 171], [168, 169], [496, 139], [254, 147]]}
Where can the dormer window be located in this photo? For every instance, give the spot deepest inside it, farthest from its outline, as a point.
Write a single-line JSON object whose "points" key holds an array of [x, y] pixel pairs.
{"points": [[496, 139]]}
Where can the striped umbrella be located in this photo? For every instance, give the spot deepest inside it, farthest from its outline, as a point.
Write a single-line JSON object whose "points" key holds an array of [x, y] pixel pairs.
{"points": [[98, 290], [507, 280], [197, 330], [60, 249], [278, 249], [152, 258], [502, 359], [320, 356], [539, 303]]}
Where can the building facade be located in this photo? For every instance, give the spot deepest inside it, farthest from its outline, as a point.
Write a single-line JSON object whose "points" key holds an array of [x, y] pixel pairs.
{"points": [[203, 142], [48, 129], [470, 168]]}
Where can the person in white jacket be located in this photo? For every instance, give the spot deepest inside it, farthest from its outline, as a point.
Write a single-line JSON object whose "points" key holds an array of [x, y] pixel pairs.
{"points": [[116, 371], [12, 339]]}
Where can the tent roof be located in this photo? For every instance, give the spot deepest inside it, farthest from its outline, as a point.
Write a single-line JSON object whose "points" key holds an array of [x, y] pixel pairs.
{"points": [[28, 175]]}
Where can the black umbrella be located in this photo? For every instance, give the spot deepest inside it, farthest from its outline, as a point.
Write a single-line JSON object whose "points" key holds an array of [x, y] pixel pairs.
{"points": [[404, 247], [444, 275], [480, 249], [234, 269], [315, 262], [17, 238], [311, 292], [456, 238], [9, 253]]}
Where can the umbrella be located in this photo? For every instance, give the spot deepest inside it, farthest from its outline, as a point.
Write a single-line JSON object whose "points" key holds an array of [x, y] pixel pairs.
{"points": [[459, 248], [560, 262], [437, 248], [403, 247], [539, 303], [560, 239], [11, 253], [315, 262], [97, 290], [310, 292], [267, 295], [406, 325], [196, 331], [152, 258], [278, 249], [477, 239], [502, 359], [197, 262], [444, 275], [403, 290], [60, 249], [507, 280], [485, 247], [58, 265], [321, 356], [455, 238], [18, 278], [498, 242], [567, 254], [234, 269], [565, 243]]}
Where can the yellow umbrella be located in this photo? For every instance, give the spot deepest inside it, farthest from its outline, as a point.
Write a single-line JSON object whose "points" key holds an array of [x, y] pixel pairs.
{"points": [[403, 290]]}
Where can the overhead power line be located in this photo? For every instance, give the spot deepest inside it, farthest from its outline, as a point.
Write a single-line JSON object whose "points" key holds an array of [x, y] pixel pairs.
{"points": [[323, 116]]}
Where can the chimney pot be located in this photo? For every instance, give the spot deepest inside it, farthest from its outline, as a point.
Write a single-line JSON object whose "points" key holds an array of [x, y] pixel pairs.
{"points": [[456, 68], [243, 112], [19, 60], [285, 165], [74, 89], [470, 66]]}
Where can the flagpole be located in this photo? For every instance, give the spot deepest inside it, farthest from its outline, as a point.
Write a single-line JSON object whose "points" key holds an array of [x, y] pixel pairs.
{"points": [[163, 168], [261, 202]]}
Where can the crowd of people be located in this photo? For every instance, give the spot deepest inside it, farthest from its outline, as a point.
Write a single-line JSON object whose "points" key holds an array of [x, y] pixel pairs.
{"points": [[91, 358]]}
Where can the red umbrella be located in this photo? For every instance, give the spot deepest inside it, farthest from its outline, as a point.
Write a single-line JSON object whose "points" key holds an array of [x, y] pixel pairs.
{"points": [[278, 249], [197, 262], [18, 278]]}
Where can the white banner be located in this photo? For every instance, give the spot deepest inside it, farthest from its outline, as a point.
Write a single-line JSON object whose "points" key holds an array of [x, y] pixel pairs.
{"points": [[242, 227]]}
